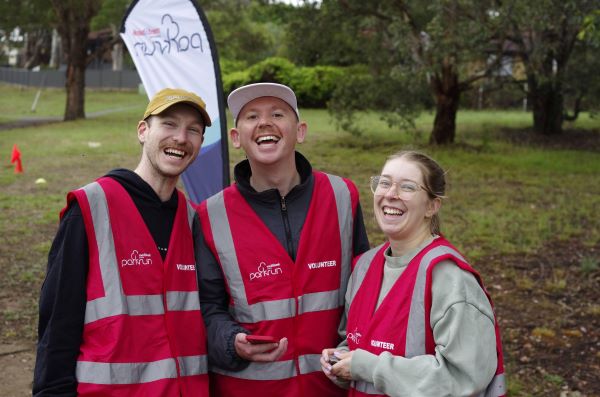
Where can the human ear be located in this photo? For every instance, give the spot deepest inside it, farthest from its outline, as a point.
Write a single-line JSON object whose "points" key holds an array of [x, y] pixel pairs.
{"points": [[433, 207], [142, 130], [234, 134], [301, 131]]}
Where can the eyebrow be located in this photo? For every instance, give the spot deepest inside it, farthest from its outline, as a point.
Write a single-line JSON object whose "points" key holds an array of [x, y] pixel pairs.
{"points": [[401, 180]]}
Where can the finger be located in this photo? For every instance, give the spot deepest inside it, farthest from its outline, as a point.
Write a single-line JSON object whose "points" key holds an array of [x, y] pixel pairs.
{"points": [[271, 355], [326, 353], [325, 365]]}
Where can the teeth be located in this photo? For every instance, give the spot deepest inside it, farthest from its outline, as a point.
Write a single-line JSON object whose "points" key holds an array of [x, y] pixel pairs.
{"points": [[267, 138], [174, 152], [392, 211]]}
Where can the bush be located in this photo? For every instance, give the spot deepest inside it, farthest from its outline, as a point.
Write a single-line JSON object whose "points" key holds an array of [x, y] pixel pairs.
{"points": [[233, 80], [273, 70], [313, 85]]}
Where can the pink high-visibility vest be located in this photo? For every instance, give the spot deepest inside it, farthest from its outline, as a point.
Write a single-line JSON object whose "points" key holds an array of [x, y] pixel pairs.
{"points": [[401, 324], [143, 332], [270, 294]]}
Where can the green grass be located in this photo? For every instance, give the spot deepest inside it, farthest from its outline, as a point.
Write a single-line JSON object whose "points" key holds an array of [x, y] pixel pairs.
{"points": [[503, 198]]}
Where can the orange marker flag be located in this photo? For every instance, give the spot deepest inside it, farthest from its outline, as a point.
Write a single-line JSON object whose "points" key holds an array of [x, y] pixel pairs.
{"points": [[16, 158]]}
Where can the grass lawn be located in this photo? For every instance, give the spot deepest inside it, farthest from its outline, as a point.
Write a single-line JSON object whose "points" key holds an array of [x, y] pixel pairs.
{"points": [[507, 200]]}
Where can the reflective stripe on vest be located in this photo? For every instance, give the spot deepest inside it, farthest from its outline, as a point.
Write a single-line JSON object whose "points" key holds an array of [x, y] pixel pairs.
{"points": [[415, 331], [361, 268], [135, 373], [277, 370], [115, 302], [281, 308]]}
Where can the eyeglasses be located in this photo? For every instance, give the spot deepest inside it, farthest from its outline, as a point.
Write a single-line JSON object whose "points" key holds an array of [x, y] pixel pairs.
{"points": [[405, 190]]}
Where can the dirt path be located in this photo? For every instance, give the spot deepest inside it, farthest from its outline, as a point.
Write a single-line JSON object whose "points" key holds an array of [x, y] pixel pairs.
{"points": [[16, 369]]}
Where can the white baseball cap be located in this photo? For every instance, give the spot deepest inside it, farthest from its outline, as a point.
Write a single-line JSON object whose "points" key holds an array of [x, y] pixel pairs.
{"points": [[241, 96]]}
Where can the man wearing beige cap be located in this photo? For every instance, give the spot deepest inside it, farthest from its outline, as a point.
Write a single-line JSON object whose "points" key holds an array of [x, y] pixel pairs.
{"points": [[119, 309], [275, 255]]}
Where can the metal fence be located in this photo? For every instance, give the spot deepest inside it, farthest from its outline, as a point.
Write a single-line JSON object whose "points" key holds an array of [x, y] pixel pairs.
{"points": [[94, 78]]}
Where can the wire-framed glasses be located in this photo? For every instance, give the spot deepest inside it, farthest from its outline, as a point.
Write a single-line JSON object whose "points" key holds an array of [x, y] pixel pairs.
{"points": [[405, 189]]}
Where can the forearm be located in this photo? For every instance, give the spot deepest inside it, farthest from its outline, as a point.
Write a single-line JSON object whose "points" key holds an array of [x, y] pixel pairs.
{"points": [[220, 331]]}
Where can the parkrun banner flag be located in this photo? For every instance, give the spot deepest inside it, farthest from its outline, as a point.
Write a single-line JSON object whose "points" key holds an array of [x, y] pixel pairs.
{"points": [[171, 44]]}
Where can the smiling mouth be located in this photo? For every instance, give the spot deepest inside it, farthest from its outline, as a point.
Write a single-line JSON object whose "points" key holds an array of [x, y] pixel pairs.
{"points": [[174, 153], [392, 211], [267, 139]]}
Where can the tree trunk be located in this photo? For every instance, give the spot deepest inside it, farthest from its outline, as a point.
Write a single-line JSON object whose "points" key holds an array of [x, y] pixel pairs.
{"points": [[74, 26], [547, 104], [75, 76], [75, 85], [446, 90]]}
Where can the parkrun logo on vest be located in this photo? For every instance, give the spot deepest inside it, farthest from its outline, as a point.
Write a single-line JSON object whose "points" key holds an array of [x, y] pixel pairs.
{"points": [[322, 264], [137, 259], [265, 270], [354, 336]]}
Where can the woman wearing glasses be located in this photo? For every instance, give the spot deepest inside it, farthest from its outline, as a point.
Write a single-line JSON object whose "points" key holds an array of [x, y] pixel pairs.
{"points": [[419, 321]]}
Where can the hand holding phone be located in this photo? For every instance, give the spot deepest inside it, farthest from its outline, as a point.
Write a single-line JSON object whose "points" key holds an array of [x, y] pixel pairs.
{"points": [[259, 339], [333, 359]]}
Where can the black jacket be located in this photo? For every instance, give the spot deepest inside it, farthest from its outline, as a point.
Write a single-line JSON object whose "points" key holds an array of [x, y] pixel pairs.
{"points": [[286, 225], [63, 294]]}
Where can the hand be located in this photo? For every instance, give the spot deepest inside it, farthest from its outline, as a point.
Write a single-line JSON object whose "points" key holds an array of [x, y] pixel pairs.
{"points": [[325, 366], [342, 368], [264, 352]]}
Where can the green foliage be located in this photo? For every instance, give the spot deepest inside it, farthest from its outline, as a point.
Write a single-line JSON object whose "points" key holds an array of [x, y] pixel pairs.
{"points": [[238, 35], [277, 70], [553, 40], [110, 15], [397, 99], [28, 15], [313, 85], [324, 34]]}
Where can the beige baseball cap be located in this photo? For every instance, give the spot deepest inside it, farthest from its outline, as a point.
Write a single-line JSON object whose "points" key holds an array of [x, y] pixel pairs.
{"points": [[168, 97], [241, 96]]}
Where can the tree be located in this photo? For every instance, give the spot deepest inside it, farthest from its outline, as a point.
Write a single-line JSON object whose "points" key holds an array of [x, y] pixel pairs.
{"points": [[336, 41], [545, 35], [111, 15], [33, 20], [73, 25], [448, 43], [239, 35]]}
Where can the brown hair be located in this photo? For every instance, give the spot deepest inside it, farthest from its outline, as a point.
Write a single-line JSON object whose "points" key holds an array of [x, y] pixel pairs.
{"points": [[434, 179]]}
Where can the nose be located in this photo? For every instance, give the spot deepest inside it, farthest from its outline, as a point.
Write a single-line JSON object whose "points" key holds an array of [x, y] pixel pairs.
{"points": [[264, 120], [392, 191], [180, 135]]}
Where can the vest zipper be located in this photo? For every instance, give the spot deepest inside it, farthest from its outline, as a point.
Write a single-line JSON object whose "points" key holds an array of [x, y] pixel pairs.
{"points": [[290, 249], [288, 230]]}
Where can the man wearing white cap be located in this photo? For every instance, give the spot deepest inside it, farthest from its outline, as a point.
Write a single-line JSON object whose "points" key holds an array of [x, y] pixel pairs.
{"points": [[276, 255], [119, 308]]}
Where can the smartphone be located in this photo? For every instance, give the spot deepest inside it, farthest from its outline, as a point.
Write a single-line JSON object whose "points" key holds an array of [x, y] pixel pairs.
{"points": [[258, 339], [333, 359]]}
